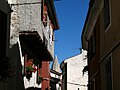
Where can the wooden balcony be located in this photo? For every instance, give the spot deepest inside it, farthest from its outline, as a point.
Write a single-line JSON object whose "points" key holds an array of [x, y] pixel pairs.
{"points": [[32, 42]]}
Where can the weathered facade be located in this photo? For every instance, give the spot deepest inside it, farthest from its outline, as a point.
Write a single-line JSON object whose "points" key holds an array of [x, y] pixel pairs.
{"points": [[101, 37], [72, 72], [31, 46]]}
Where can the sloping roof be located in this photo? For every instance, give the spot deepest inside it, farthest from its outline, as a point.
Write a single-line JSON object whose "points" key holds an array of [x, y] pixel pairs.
{"points": [[75, 58], [56, 65]]}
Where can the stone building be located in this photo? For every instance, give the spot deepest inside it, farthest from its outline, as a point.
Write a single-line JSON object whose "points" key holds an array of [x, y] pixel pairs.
{"points": [[72, 72], [30, 43]]}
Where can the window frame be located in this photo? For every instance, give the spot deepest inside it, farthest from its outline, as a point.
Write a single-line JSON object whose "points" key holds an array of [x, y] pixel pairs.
{"points": [[44, 13], [3, 33], [108, 59], [91, 46], [109, 24], [92, 84]]}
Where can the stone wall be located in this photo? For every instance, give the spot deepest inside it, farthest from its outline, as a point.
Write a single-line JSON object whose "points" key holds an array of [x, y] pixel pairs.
{"points": [[75, 77]]}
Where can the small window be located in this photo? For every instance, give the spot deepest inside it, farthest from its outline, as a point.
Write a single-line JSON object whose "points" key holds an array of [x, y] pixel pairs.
{"points": [[45, 18], [106, 14], [3, 33], [44, 14], [108, 74], [92, 47], [92, 85], [45, 41]]}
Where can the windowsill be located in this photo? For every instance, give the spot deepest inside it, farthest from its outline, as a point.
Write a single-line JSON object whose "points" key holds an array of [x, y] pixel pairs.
{"points": [[108, 27]]}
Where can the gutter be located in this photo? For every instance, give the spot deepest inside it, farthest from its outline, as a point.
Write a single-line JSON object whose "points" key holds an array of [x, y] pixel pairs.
{"points": [[93, 13]]}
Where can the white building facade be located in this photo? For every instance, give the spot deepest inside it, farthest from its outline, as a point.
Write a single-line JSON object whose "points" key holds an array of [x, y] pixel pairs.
{"points": [[72, 72]]}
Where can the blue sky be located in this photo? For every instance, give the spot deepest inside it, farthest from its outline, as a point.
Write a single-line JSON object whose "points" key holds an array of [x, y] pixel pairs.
{"points": [[71, 16]]}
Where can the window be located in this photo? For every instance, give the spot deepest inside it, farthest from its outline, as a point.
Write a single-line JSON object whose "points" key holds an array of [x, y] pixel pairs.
{"points": [[45, 18], [3, 33], [91, 46], [45, 41], [108, 74], [92, 85], [106, 14], [44, 13]]}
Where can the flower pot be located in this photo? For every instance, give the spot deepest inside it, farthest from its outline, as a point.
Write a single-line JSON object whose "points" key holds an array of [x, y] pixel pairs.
{"points": [[28, 74]]}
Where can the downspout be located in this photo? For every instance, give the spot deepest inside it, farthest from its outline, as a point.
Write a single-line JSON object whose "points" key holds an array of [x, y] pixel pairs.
{"points": [[21, 57]]}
